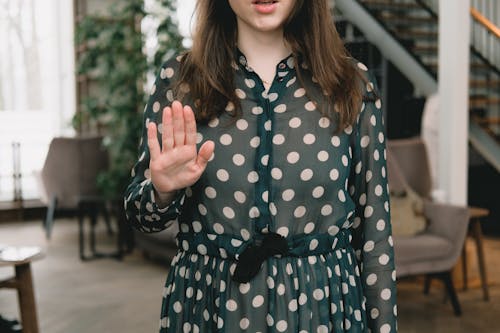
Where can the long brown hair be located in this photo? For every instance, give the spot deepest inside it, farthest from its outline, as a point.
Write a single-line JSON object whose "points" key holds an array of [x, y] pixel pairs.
{"points": [[207, 69]]}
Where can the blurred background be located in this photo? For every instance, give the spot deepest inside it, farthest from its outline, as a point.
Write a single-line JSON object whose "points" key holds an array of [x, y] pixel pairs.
{"points": [[74, 80]]}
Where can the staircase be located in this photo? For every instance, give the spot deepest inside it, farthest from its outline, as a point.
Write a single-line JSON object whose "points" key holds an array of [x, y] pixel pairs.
{"points": [[413, 25]]}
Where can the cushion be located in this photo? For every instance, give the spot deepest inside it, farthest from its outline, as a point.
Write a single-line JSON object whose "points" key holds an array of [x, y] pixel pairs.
{"points": [[421, 248], [407, 217]]}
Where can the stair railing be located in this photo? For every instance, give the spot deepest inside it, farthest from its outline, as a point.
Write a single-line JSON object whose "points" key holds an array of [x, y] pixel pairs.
{"points": [[486, 35], [432, 4], [485, 15]]}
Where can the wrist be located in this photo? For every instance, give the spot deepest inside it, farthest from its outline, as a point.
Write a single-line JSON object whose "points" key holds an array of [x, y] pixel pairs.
{"points": [[162, 199]]}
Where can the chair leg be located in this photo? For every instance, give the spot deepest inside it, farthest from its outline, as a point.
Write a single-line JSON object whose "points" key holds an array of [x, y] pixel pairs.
{"points": [[93, 222], [81, 236], [464, 266], [450, 288], [427, 284], [107, 220], [49, 218]]}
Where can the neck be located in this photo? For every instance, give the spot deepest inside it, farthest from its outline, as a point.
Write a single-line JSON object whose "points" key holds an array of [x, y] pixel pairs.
{"points": [[263, 50], [262, 44]]}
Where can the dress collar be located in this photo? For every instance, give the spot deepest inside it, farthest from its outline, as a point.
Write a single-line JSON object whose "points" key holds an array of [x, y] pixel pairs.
{"points": [[285, 65]]}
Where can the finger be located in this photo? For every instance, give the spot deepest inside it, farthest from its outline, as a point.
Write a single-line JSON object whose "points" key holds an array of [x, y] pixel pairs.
{"points": [[205, 153], [153, 144], [189, 126], [167, 130], [178, 123]]}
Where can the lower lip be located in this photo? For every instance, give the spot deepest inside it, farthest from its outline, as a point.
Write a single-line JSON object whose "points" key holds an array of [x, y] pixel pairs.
{"points": [[265, 8]]}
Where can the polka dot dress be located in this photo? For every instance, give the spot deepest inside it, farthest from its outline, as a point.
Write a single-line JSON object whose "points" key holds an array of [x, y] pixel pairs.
{"points": [[282, 168]]}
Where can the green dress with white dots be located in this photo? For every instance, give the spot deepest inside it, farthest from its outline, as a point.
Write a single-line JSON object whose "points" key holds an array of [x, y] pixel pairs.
{"points": [[282, 169]]}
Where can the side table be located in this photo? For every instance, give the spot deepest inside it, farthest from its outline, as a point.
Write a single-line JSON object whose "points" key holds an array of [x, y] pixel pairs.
{"points": [[476, 214], [92, 206], [21, 258]]}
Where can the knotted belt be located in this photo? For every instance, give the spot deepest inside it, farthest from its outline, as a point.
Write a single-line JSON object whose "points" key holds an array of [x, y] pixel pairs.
{"points": [[251, 254]]}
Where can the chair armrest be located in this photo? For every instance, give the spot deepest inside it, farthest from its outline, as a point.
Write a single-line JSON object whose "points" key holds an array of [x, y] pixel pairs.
{"points": [[448, 221]]}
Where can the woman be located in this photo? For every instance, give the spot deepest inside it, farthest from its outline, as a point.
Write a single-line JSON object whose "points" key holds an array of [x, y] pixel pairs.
{"points": [[274, 168]]}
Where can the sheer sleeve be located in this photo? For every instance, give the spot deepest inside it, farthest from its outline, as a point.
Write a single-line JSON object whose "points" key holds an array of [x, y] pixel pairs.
{"points": [[140, 206], [372, 238]]}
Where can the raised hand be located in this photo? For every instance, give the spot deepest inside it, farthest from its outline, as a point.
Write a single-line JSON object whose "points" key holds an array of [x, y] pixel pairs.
{"points": [[177, 163]]}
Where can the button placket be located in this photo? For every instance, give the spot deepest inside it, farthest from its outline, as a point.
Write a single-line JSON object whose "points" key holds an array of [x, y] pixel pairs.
{"points": [[265, 132], [262, 166]]}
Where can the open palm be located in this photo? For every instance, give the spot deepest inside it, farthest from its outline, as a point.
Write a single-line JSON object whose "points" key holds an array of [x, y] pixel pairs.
{"points": [[176, 164]]}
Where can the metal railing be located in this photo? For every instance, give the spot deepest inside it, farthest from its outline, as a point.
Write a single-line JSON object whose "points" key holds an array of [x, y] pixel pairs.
{"points": [[485, 42], [486, 16]]}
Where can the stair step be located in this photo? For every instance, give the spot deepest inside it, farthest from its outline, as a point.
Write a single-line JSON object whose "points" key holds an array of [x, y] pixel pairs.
{"points": [[480, 67], [491, 93], [478, 101], [386, 4], [405, 20], [473, 66], [487, 127], [484, 83], [432, 49], [488, 121], [417, 34]]}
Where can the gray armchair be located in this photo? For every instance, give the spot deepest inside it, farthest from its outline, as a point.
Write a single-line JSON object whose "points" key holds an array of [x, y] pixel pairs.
{"points": [[69, 173], [436, 250]]}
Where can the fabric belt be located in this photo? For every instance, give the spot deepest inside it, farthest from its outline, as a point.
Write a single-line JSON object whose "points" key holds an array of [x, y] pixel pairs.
{"points": [[250, 254]]}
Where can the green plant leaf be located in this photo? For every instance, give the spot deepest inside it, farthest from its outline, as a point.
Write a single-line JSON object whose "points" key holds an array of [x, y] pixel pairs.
{"points": [[112, 64]]}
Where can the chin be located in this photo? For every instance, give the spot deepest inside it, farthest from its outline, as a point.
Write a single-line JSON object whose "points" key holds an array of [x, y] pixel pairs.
{"points": [[268, 25]]}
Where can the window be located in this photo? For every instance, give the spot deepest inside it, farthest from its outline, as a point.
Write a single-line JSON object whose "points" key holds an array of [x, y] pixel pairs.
{"points": [[36, 85], [37, 88]]}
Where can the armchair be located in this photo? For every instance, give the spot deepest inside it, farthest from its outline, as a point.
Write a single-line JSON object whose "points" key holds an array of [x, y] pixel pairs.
{"points": [[435, 251], [69, 174]]}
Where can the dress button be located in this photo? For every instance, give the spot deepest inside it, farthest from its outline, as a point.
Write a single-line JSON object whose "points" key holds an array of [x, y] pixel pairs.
{"points": [[280, 79], [282, 66]]}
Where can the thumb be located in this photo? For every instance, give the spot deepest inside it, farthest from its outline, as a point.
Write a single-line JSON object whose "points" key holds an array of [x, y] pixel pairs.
{"points": [[204, 154]]}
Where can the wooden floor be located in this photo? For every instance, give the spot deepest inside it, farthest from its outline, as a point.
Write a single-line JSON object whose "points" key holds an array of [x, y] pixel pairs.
{"points": [[107, 296]]}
